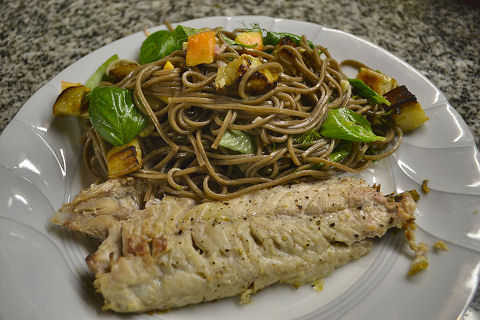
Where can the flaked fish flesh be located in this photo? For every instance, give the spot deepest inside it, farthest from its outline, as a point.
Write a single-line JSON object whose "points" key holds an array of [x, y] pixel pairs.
{"points": [[175, 252]]}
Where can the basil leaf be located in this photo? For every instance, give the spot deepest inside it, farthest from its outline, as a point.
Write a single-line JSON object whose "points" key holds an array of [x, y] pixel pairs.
{"points": [[366, 92], [345, 124], [97, 76], [341, 151], [238, 141], [114, 115], [183, 32], [273, 38], [159, 45]]}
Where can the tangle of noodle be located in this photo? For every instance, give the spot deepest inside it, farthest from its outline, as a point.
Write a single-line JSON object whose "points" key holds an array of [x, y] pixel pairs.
{"points": [[182, 156]]}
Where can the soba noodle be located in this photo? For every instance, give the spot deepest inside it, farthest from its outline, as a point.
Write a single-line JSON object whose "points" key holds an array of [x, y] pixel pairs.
{"points": [[183, 155]]}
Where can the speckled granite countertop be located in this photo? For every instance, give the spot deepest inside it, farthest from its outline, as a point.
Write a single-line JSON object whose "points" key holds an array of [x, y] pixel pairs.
{"points": [[438, 37]]}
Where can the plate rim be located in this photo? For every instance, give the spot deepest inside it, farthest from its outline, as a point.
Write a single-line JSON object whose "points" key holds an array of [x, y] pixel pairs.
{"points": [[442, 98]]}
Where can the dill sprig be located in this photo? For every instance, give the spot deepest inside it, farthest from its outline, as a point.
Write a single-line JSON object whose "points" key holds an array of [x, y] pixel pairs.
{"points": [[253, 26], [309, 136]]}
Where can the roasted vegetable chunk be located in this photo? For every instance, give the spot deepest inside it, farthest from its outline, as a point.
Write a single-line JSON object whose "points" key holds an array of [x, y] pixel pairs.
{"points": [[200, 48], [411, 116], [407, 112], [230, 75], [379, 82], [253, 38], [71, 102], [125, 159], [67, 84], [119, 69], [399, 96]]}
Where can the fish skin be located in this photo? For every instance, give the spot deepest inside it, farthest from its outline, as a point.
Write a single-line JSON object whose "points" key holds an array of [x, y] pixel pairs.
{"points": [[174, 252]]}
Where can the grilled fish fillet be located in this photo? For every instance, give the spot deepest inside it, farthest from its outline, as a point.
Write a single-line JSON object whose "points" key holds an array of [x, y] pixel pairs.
{"points": [[175, 252], [97, 208]]}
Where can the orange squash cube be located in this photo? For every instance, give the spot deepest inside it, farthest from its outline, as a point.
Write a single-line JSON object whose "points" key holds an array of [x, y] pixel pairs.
{"points": [[251, 38], [200, 48]]}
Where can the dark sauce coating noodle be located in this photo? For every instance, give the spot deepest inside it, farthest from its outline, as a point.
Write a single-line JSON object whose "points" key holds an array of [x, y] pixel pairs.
{"points": [[182, 155]]}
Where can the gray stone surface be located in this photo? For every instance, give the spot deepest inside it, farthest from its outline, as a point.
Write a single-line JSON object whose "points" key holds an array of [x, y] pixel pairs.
{"points": [[440, 38]]}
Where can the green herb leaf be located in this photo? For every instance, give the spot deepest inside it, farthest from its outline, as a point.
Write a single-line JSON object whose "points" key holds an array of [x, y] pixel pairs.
{"points": [[308, 137], [114, 116], [183, 32], [254, 26], [345, 124], [366, 92], [238, 141], [98, 75], [159, 45], [273, 38], [341, 151]]}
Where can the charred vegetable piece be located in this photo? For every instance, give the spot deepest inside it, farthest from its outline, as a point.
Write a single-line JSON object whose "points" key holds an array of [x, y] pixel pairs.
{"points": [[66, 84], [261, 82], [407, 113], [71, 102], [398, 96], [125, 159], [119, 69], [251, 39], [411, 116], [228, 76], [379, 82], [200, 48]]}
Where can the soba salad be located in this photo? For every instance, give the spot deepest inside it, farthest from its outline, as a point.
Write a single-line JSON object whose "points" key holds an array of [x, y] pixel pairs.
{"points": [[212, 114]]}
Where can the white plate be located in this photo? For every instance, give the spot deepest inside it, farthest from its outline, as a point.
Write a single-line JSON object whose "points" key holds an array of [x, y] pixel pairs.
{"points": [[43, 274]]}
